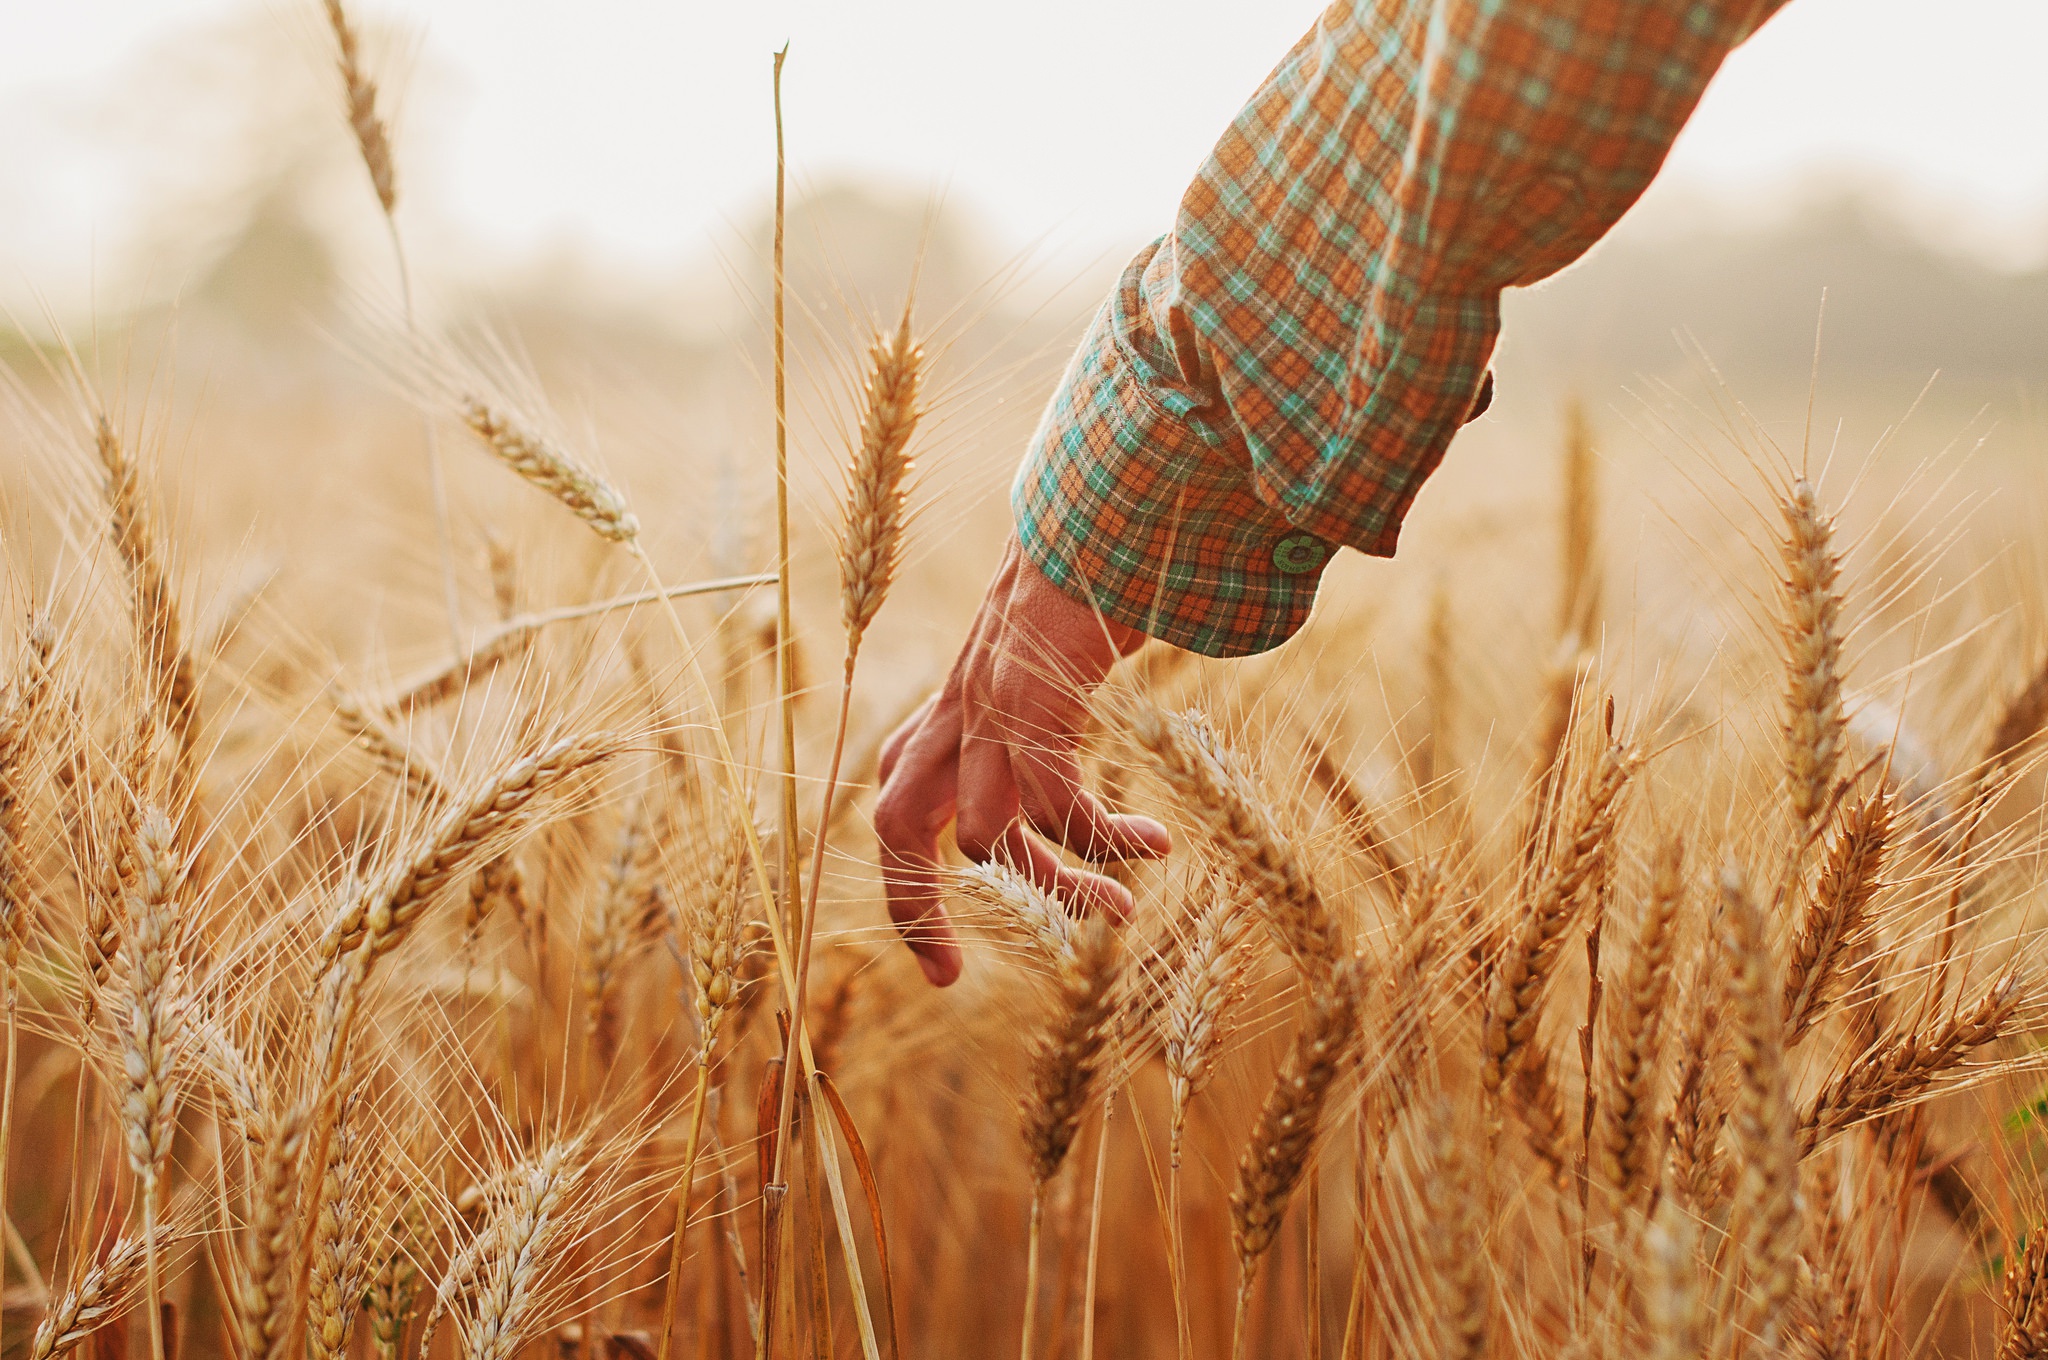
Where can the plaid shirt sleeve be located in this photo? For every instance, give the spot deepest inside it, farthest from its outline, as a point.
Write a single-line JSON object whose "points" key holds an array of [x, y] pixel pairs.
{"points": [[1276, 376]]}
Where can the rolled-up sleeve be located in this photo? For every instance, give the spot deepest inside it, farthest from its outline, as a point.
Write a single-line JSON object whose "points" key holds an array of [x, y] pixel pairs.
{"points": [[1275, 377]]}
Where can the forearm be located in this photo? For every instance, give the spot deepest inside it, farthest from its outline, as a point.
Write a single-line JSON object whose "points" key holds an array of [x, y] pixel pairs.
{"points": [[1277, 376]]}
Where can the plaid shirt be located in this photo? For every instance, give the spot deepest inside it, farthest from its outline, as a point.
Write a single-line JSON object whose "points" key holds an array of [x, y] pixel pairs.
{"points": [[1276, 376]]}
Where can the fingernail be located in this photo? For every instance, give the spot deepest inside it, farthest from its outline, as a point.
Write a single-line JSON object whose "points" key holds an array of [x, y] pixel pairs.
{"points": [[1156, 837]]}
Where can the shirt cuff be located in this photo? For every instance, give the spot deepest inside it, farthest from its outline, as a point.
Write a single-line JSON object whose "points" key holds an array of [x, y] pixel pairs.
{"points": [[1145, 514]]}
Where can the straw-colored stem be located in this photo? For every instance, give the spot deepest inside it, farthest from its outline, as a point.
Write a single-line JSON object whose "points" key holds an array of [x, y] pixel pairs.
{"points": [[1031, 1269], [1312, 1261], [1178, 1246], [154, 1269], [807, 931], [673, 1288], [12, 988], [1246, 1276], [785, 672], [1095, 1229]]}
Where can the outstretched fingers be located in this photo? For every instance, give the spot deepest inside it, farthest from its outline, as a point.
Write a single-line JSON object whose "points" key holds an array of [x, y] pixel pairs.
{"points": [[917, 800]]}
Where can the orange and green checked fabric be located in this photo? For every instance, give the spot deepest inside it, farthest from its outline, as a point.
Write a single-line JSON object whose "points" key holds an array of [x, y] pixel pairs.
{"points": [[1275, 377]]}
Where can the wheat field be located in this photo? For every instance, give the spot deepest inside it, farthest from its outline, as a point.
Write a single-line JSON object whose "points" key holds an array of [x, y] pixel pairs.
{"points": [[458, 935]]}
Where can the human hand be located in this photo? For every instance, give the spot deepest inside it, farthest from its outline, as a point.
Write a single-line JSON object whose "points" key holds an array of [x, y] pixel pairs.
{"points": [[994, 753]]}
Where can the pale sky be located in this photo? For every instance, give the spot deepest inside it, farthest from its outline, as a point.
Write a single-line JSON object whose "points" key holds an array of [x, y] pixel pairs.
{"points": [[637, 132]]}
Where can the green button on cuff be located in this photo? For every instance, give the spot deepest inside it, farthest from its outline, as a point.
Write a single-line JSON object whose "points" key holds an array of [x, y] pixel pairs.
{"points": [[1298, 553]]}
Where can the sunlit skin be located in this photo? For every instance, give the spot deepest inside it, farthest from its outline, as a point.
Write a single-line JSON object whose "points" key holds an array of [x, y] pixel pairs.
{"points": [[993, 752]]}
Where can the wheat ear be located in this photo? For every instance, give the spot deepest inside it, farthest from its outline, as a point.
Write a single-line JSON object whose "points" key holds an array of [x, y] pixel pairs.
{"points": [[1283, 1138], [20, 711], [1194, 1018], [1765, 1217], [1456, 1240], [609, 937], [267, 1266], [539, 461], [1625, 1150], [1814, 726], [1838, 913], [1022, 906], [2024, 1333], [871, 536], [159, 629], [1514, 1005], [381, 916], [339, 1277], [1070, 1055], [1230, 813], [520, 1243], [1908, 1067], [392, 1295], [103, 1293], [1073, 1050]]}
